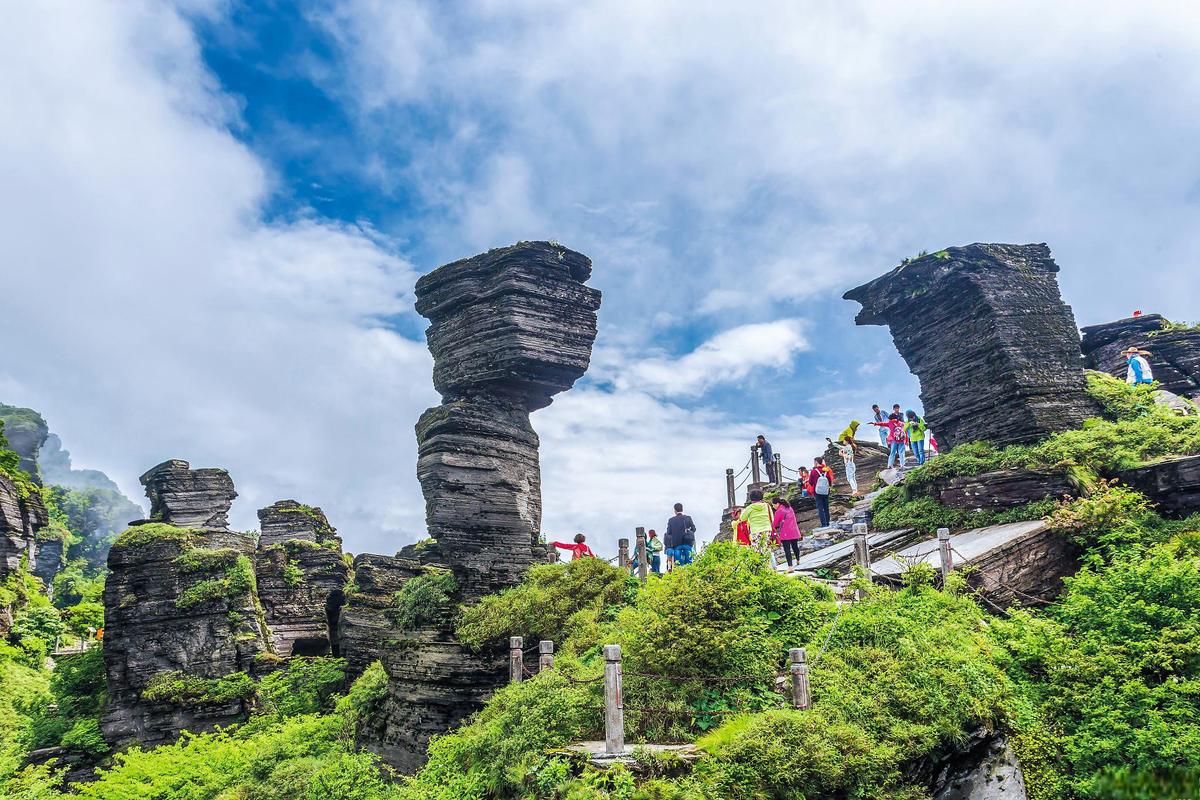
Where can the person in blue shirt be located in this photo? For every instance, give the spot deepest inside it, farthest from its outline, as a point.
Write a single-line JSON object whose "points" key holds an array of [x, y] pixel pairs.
{"points": [[880, 417], [1138, 368], [767, 454], [680, 539]]}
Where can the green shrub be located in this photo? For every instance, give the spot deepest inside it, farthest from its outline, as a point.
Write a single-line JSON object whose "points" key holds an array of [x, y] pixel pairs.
{"points": [[544, 604], [424, 599], [150, 532], [305, 686], [893, 510], [237, 581], [181, 689]]}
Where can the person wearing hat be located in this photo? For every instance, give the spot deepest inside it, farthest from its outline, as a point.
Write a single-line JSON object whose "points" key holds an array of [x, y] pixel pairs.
{"points": [[1139, 368]]}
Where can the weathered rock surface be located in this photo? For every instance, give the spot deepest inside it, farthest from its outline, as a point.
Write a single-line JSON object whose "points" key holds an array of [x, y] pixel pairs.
{"points": [[47, 558], [1174, 354], [301, 579], [189, 498], [179, 600], [175, 601], [509, 329], [1173, 484], [367, 628], [1001, 489], [26, 431], [21, 519], [985, 330], [983, 768]]}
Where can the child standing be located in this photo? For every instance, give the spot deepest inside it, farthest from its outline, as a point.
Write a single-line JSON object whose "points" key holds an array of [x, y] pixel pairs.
{"points": [[578, 550]]}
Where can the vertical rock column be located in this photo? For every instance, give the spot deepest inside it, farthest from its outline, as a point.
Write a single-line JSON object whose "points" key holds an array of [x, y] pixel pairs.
{"points": [[509, 329], [986, 331], [183, 627]]}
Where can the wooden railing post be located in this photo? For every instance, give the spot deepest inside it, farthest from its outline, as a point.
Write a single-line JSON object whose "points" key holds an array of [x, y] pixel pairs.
{"points": [[755, 474], [778, 470], [944, 551], [862, 549], [516, 659], [623, 553], [643, 566], [614, 709], [545, 655], [800, 695], [730, 488]]}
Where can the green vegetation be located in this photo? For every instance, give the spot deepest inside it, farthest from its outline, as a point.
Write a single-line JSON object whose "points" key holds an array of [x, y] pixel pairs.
{"points": [[180, 689], [151, 532], [237, 580], [894, 510], [305, 686], [424, 599]]}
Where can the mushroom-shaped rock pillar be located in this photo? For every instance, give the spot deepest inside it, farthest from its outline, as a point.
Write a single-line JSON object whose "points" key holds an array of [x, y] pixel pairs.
{"points": [[986, 331]]}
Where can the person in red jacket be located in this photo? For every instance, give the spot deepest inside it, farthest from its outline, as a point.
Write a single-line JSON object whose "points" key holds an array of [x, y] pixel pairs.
{"points": [[578, 550], [741, 528], [820, 484]]}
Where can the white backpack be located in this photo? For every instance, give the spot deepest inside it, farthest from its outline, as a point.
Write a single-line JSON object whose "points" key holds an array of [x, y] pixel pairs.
{"points": [[822, 486]]}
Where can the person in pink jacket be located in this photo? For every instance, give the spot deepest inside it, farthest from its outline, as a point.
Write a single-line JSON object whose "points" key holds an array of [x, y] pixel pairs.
{"points": [[786, 530]]}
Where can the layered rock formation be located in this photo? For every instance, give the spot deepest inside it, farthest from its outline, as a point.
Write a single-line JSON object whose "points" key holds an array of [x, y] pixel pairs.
{"points": [[22, 517], [301, 579], [1174, 352], [985, 330], [509, 329], [183, 627], [189, 498], [1001, 489], [367, 627], [26, 432], [1172, 484]]}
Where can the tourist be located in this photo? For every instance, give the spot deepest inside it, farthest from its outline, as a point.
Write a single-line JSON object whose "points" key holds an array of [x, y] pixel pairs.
{"points": [[786, 530], [848, 448], [681, 534], [654, 548], [895, 440], [914, 430], [741, 531], [820, 483], [802, 481], [932, 442], [578, 550], [880, 419], [1138, 368], [767, 454], [758, 518]]}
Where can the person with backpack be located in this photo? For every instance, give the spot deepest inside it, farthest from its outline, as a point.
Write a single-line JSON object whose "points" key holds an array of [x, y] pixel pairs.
{"points": [[914, 429], [786, 530], [820, 483], [578, 550], [758, 518], [681, 538]]}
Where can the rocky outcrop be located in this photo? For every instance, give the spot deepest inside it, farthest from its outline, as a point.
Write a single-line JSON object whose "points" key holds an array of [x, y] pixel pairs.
{"points": [[183, 626], [302, 577], [508, 329], [1173, 484], [1001, 489], [980, 766], [1174, 352], [26, 432], [47, 558], [189, 498], [985, 330], [22, 517], [367, 626]]}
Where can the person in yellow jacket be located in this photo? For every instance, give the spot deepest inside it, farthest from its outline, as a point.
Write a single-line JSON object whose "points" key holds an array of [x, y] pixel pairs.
{"points": [[758, 516]]}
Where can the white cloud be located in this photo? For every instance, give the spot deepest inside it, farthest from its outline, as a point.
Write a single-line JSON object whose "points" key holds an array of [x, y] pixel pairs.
{"points": [[151, 310]]}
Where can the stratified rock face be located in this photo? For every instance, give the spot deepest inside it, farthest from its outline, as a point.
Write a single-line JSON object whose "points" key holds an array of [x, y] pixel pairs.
{"points": [[367, 629], [1174, 354], [1001, 489], [1173, 484], [48, 558], [301, 579], [179, 601], [509, 329], [189, 498], [21, 519], [985, 330], [176, 601]]}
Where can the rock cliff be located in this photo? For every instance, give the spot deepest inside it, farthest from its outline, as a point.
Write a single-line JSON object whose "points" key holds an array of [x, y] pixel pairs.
{"points": [[183, 626], [985, 330], [301, 579], [1174, 351], [22, 517], [26, 432], [508, 329], [368, 627]]}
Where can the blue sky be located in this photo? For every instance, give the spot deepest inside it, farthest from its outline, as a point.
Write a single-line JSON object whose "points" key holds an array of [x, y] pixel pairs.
{"points": [[214, 211]]}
